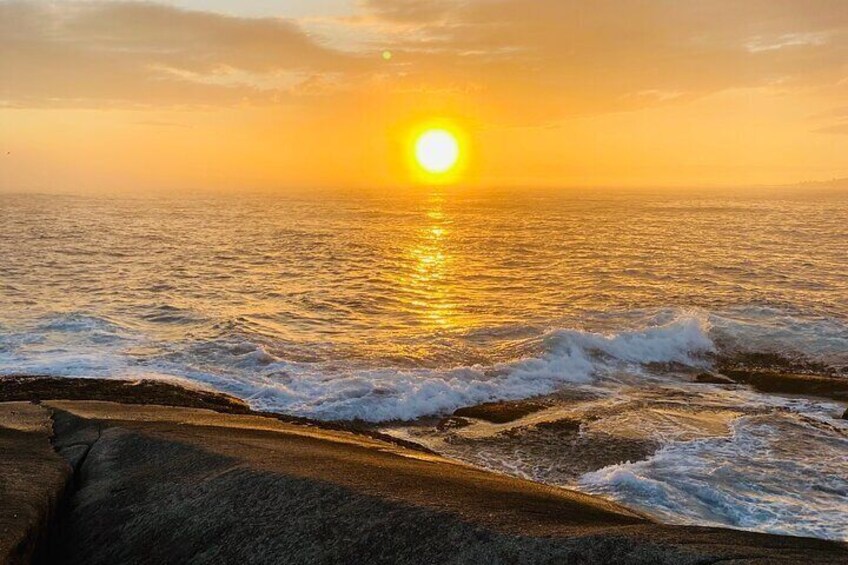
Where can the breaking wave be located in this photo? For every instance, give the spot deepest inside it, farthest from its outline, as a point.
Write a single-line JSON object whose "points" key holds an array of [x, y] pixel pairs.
{"points": [[253, 368], [250, 371]]}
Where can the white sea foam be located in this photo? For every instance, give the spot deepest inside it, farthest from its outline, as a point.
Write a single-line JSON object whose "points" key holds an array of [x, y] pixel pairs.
{"points": [[77, 345], [570, 358], [751, 480], [762, 329], [71, 344]]}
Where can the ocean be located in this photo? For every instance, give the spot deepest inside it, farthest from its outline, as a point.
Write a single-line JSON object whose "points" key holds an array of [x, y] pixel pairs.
{"points": [[398, 308]]}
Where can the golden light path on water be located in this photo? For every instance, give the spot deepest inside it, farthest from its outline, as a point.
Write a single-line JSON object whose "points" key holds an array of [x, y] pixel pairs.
{"points": [[430, 280]]}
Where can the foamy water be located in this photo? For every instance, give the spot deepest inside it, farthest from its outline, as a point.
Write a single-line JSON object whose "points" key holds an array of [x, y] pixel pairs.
{"points": [[397, 307]]}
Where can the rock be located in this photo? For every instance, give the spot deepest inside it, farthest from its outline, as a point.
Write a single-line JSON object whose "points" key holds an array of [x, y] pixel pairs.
{"points": [[845, 415], [560, 441], [824, 386], [500, 412], [165, 484], [561, 425], [714, 378], [214, 488], [34, 388], [33, 480], [452, 423], [219, 488]]}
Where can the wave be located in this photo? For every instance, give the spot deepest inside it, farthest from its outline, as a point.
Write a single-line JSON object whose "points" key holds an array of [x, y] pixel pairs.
{"points": [[94, 328], [569, 357], [262, 370], [169, 314], [784, 340]]}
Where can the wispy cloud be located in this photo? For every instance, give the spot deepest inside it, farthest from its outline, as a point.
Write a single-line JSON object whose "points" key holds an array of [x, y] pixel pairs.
{"points": [[143, 53], [538, 59]]}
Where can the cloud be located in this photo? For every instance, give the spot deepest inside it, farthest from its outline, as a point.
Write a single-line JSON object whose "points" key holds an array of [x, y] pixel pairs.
{"points": [[838, 129], [575, 56], [78, 53], [410, 11], [529, 61]]}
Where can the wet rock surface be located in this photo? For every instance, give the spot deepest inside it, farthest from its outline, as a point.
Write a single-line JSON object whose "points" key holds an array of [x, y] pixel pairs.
{"points": [[825, 386], [713, 378], [500, 412], [569, 452], [157, 484], [35, 388]]}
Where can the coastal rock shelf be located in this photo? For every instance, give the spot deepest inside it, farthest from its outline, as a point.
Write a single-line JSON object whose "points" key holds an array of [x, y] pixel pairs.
{"points": [[33, 482], [99, 481]]}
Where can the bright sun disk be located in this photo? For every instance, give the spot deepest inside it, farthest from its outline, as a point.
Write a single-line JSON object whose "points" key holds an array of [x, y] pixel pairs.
{"points": [[437, 151]]}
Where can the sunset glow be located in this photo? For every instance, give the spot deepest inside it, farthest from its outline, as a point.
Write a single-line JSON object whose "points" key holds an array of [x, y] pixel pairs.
{"points": [[439, 281], [278, 95]]}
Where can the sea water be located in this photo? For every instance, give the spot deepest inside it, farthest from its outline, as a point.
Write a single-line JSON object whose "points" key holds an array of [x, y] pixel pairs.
{"points": [[396, 307]]}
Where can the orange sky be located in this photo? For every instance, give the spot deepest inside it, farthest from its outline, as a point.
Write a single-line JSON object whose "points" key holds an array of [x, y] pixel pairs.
{"points": [[195, 95]]}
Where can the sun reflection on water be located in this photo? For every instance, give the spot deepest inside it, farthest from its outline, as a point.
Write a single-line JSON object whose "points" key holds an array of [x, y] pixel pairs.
{"points": [[430, 278]]}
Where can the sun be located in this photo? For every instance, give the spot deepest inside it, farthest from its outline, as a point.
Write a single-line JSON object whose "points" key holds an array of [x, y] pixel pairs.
{"points": [[437, 151]]}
